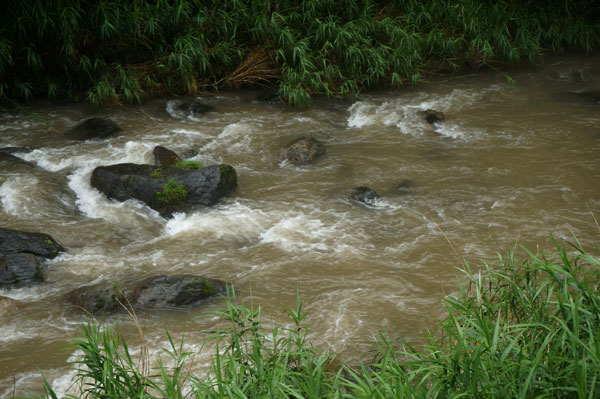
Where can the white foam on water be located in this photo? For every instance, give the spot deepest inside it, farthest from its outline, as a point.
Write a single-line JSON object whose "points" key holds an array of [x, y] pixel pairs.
{"points": [[83, 159], [235, 138], [172, 108], [405, 113], [290, 230], [16, 195], [191, 133]]}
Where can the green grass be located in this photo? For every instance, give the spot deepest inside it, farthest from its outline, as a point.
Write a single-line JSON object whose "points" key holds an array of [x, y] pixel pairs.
{"points": [[112, 52], [173, 193], [518, 329], [188, 165]]}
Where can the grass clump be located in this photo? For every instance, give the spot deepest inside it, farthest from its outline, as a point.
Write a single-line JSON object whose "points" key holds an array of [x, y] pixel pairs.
{"points": [[156, 173], [174, 193], [518, 329], [111, 52], [188, 165]]}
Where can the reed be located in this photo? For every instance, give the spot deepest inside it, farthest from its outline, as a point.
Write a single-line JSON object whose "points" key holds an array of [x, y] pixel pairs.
{"points": [[112, 52], [517, 329]]}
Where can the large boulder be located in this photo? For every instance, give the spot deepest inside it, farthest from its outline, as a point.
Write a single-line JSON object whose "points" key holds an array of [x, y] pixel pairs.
{"points": [[364, 195], [22, 255], [164, 157], [166, 189], [158, 292], [175, 291], [302, 151], [93, 129]]}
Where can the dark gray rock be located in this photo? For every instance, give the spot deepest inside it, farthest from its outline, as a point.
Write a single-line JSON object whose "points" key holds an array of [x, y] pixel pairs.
{"points": [[197, 108], [158, 292], [166, 189], [105, 297], [194, 109], [302, 151], [190, 153], [19, 269], [175, 291], [8, 160], [164, 157], [93, 129], [15, 150], [22, 255], [364, 195], [431, 116], [14, 241]]}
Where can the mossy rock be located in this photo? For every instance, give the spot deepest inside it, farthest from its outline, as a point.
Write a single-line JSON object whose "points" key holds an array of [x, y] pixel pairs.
{"points": [[105, 297], [175, 291], [166, 189]]}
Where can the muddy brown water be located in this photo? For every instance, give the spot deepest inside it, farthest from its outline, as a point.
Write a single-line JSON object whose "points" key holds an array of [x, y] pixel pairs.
{"points": [[510, 164]]}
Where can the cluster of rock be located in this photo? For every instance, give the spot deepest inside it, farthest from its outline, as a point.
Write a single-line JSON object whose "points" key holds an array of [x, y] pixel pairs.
{"points": [[22, 259], [170, 185]]}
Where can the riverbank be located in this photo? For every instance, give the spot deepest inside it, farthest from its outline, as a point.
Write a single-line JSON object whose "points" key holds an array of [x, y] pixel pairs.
{"points": [[111, 53], [518, 328]]}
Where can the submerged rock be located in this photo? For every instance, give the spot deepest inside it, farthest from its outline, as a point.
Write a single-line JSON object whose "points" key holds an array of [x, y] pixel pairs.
{"points": [[158, 292], [22, 255], [302, 151], [15, 150], [175, 291], [431, 116], [183, 109], [166, 189], [93, 129], [7, 159], [405, 186], [164, 157], [197, 108], [190, 153], [364, 195]]}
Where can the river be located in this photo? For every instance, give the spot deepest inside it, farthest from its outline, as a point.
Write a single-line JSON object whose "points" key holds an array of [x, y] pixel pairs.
{"points": [[510, 165]]}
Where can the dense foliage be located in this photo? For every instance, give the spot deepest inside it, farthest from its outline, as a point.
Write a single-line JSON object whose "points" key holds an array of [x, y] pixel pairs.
{"points": [[124, 51], [519, 329]]}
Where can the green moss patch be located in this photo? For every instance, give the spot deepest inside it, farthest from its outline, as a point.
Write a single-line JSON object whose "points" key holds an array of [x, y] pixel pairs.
{"points": [[156, 173], [188, 165], [174, 193]]}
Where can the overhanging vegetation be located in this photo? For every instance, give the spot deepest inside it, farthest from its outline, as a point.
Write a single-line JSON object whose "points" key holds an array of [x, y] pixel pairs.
{"points": [[111, 52]]}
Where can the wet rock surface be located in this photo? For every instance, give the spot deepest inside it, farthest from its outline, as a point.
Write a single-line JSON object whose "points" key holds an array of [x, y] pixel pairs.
{"points": [[157, 292], [302, 151], [175, 291], [164, 157], [104, 297], [93, 129], [166, 189], [15, 150], [22, 255], [364, 195], [432, 116]]}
